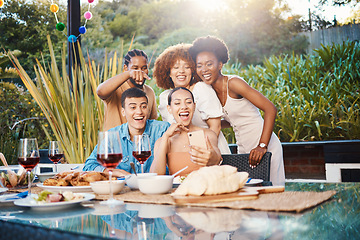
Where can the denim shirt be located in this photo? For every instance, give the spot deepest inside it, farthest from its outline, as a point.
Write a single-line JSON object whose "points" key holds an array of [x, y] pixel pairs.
{"points": [[155, 129]]}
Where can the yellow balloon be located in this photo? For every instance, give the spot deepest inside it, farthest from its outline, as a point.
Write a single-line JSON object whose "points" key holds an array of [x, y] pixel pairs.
{"points": [[1, 3], [53, 8]]}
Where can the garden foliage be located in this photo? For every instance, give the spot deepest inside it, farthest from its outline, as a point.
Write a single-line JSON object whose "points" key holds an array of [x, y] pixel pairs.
{"points": [[20, 117], [71, 106], [317, 96]]}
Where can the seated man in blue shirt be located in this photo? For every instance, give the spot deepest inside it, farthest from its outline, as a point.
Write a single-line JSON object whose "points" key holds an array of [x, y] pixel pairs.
{"points": [[135, 109]]}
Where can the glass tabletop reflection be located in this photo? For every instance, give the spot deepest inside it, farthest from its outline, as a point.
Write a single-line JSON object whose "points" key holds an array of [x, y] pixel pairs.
{"points": [[337, 218]]}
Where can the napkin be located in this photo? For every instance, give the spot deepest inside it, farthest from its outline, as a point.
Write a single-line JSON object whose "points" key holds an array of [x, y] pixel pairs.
{"points": [[17, 196]]}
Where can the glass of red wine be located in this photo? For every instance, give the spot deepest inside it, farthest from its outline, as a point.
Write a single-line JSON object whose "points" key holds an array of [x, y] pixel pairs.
{"points": [[55, 153], [28, 157], [141, 149], [109, 155]]}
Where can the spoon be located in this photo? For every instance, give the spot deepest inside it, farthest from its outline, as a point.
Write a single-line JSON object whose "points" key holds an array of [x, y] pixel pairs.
{"points": [[133, 168], [179, 171]]}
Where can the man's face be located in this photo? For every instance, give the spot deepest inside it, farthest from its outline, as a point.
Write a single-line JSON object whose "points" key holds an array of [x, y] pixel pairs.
{"points": [[136, 111], [137, 63]]}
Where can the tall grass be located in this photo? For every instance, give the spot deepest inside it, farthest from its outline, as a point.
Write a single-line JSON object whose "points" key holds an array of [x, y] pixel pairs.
{"points": [[71, 106]]}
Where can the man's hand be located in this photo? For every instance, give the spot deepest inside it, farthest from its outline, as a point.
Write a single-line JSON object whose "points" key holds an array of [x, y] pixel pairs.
{"points": [[138, 76], [117, 172]]}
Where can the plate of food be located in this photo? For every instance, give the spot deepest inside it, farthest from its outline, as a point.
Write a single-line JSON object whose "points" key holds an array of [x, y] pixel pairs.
{"points": [[75, 189], [73, 181], [53, 201]]}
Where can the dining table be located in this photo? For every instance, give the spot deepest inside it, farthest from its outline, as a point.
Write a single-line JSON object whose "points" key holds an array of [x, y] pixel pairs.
{"points": [[336, 218]]}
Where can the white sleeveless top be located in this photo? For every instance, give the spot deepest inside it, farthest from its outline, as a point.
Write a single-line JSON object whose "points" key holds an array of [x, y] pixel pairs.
{"points": [[247, 124], [207, 106]]}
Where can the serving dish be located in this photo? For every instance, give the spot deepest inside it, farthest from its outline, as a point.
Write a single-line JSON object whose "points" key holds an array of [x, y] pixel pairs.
{"points": [[30, 202]]}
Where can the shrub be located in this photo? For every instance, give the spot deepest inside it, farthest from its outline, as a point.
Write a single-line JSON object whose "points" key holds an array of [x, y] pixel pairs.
{"points": [[19, 117], [317, 96]]}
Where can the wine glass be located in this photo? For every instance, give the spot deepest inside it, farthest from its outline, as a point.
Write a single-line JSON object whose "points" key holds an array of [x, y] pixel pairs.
{"points": [[28, 157], [109, 155], [55, 153], [141, 149]]}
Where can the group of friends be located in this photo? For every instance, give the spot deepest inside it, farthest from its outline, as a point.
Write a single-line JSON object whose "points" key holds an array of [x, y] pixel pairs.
{"points": [[196, 96]]}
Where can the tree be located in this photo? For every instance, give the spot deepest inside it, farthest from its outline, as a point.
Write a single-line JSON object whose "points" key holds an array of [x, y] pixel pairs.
{"points": [[338, 2], [24, 26], [256, 29]]}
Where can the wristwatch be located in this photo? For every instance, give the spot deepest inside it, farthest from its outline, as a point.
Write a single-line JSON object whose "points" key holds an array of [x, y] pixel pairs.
{"points": [[262, 145]]}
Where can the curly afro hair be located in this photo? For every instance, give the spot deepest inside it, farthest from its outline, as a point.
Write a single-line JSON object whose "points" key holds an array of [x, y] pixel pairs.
{"points": [[210, 44], [166, 61]]}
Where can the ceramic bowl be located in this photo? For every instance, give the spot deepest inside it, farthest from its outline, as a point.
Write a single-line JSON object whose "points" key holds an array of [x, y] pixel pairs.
{"points": [[156, 184], [103, 187], [132, 180], [156, 210], [43, 176]]}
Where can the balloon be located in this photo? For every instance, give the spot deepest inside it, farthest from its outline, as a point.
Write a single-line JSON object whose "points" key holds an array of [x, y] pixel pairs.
{"points": [[72, 38], [54, 8], [82, 30], [2, 3], [60, 26], [90, 1], [88, 15]]}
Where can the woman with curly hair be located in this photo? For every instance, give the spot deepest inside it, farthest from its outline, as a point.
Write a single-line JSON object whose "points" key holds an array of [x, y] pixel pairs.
{"points": [[240, 104], [175, 68]]}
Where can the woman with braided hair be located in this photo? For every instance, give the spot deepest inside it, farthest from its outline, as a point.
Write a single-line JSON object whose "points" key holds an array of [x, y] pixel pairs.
{"points": [[134, 75]]}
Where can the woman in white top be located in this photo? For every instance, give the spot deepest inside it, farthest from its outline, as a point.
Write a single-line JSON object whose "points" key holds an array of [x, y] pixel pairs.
{"points": [[241, 104], [175, 68]]}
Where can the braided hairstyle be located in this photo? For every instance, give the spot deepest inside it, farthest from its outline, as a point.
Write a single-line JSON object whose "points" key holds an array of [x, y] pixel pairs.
{"points": [[134, 53]]}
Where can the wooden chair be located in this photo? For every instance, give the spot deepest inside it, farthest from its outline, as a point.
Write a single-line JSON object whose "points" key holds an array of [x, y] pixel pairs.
{"points": [[241, 162]]}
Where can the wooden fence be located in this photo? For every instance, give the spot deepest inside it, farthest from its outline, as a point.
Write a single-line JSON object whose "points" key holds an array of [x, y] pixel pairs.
{"points": [[333, 35]]}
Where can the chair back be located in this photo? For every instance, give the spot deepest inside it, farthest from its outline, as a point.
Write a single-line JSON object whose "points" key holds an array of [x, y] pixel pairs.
{"points": [[241, 162]]}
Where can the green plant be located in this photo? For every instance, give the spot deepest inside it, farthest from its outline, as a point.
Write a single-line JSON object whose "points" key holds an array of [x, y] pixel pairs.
{"points": [[6, 72], [317, 96], [72, 108], [19, 117]]}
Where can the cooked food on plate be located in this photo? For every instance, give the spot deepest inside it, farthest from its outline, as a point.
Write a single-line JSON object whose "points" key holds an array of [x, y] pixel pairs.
{"points": [[75, 178], [211, 181], [48, 197]]}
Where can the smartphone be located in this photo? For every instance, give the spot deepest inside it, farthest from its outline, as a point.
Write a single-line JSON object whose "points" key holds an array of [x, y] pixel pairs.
{"points": [[197, 138]]}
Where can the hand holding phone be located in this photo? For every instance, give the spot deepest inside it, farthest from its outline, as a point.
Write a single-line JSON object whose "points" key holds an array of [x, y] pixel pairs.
{"points": [[197, 138]]}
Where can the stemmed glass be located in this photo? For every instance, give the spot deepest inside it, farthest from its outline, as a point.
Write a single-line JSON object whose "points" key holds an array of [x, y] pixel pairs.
{"points": [[109, 154], [55, 153], [141, 149], [28, 157]]}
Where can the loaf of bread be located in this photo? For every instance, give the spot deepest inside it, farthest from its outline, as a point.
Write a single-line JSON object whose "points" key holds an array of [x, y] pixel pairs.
{"points": [[211, 181]]}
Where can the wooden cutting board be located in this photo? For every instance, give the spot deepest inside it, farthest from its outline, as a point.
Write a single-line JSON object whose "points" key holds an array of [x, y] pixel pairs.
{"points": [[243, 194], [266, 189], [246, 193]]}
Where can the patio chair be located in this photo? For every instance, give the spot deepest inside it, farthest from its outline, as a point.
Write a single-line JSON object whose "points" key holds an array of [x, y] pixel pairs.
{"points": [[241, 162]]}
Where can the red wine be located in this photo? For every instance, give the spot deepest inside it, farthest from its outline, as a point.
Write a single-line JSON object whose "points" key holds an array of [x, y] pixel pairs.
{"points": [[142, 156], [28, 162], [110, 160], [55, 158]]}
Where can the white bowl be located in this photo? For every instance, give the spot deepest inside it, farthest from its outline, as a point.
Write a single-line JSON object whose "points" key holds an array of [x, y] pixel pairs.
{"points": [[132, 180], [156, 210], [156, 184], [43, 176], [103, 187]]}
